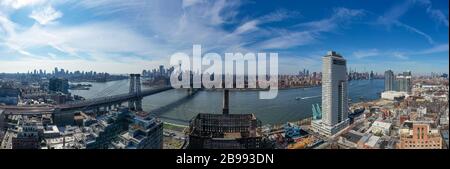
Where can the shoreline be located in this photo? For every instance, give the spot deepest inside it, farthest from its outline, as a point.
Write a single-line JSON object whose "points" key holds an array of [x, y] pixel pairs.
{"points": [[258, 89]]}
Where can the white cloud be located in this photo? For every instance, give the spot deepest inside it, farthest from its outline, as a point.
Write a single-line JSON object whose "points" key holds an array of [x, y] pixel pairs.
{"points": [[403, 55], [6, 26], [247, 27], [415, 30], [188, 3], [254, 24], [399, 55], [279, 15], [436, 49], [393, 15], [309, 32], [362, 54], [437, 15], [156, 29], [288, 40], [386, 21], [107, 37], [366, 53], [46, 15], [16, 4], [166, 32]]}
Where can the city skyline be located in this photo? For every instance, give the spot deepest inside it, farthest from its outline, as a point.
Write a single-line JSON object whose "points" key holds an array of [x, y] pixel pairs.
{"points": [[348, 111], [106, 35]]}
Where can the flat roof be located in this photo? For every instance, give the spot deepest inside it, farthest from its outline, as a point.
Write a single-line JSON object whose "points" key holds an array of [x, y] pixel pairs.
{"points": [[381, 124], [372, 141], [352, 137]]}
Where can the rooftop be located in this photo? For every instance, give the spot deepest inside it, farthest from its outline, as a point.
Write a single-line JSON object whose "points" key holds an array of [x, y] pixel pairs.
{"points": [[381, 124], [373, 140], [352, 136], [333, 53]]}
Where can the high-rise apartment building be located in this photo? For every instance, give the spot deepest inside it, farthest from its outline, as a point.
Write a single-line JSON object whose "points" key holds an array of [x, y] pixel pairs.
{"points": [[58, 85], [389, 80], [334, 96], [404, 82]]}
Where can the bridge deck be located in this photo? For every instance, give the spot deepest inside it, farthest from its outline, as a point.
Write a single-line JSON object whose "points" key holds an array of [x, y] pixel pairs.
{"points": [[82, 104]]}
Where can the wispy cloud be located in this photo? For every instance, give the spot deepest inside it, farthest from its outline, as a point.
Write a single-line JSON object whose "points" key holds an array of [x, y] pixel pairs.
{"points": [[437, 15], [187, 3], [99, 37], [256, 24], [436, 49], [399, 54], [16, 4], [280, 15], [154, 36], [138, 34], [415, 30], [366, 53], [307, 33], [363, 54], [46, 15], [6, 26], [393, 16]]}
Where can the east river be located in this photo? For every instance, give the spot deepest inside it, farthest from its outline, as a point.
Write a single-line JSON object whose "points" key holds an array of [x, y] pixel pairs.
{"points": [[285, 107]]}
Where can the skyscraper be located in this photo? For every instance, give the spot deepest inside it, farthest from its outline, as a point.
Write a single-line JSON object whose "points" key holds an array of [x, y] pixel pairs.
{"points": [[334, 96], [161, 70], [389, 80], [59, 85], [404, 83], [56, 71]]}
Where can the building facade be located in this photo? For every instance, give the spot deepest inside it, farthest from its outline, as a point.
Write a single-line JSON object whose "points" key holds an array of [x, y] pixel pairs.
{"points": [[9, 96], [334, 96], [2, 120], [58, 85], [107, 128], [225, 131], [27, 137], [404, 82], [145, 132], [419, 135], [389, 80]]}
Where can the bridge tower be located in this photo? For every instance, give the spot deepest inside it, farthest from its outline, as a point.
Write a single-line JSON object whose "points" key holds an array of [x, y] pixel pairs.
{"points": [[2, 120], [135, 89], [131, 91], [226, 99], [138, 92]]}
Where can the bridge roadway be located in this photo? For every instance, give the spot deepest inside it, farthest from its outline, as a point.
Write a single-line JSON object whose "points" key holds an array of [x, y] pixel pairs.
{"points": [[89, 103]]}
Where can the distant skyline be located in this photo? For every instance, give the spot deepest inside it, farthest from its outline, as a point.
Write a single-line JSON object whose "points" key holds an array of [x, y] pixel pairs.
{"points": [[117, 36]]}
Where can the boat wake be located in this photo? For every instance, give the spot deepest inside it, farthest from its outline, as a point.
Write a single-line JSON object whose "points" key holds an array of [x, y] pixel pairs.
{"points": [[308, 97]]}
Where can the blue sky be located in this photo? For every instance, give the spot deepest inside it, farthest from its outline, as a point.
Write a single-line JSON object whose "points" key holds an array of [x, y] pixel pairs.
{"points": [[127, 36]]}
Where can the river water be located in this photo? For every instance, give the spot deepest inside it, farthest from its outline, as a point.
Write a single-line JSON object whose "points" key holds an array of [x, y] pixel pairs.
{"points": [[285, 107]]}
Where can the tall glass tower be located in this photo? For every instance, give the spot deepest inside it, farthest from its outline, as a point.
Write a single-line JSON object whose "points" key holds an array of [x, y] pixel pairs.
{"points": [[389, 80]]}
